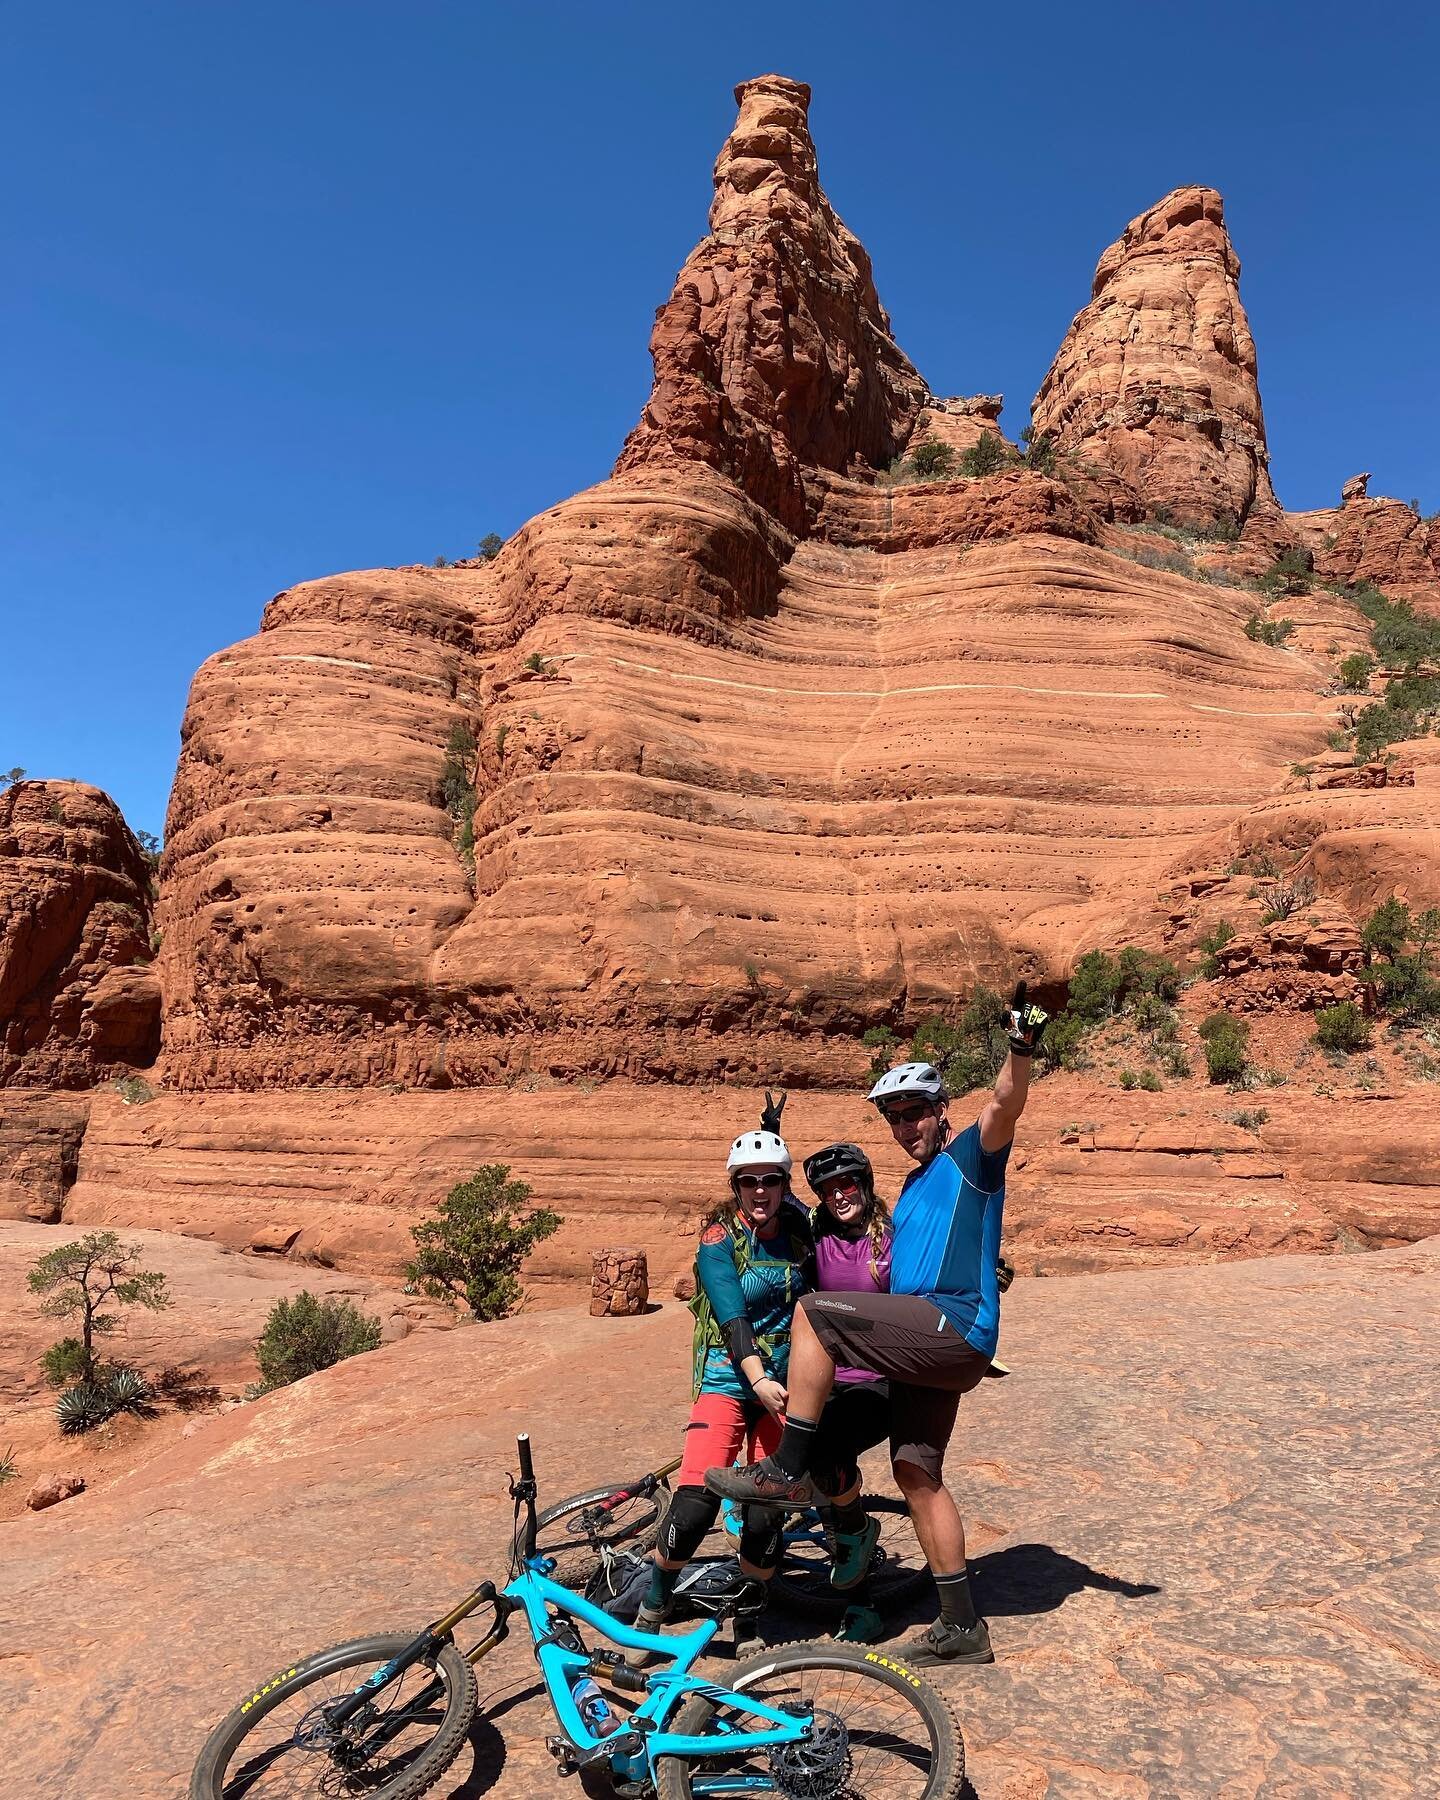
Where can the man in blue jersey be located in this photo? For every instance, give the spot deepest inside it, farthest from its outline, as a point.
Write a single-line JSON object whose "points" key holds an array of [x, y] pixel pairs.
{"points": [[932, 1336]]}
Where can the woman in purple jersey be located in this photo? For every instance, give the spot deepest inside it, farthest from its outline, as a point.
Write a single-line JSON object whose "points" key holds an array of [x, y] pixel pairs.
{"points": [[852, 1255]]}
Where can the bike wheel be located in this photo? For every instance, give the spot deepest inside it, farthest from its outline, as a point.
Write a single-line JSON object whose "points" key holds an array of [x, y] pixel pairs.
{"points": [[578, 1531], [897, 1569], [884, 1731], [254, 1753]]}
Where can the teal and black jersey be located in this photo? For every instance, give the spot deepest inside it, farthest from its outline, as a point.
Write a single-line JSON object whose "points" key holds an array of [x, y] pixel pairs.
{"points": [[947, 1236]]}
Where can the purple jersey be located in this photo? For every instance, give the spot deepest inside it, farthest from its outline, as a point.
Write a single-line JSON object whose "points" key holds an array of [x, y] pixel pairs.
{"points": [[843, 1267]]}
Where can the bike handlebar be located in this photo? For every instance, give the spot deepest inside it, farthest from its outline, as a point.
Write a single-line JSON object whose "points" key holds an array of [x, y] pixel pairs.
{"points": [[527, 1467]]}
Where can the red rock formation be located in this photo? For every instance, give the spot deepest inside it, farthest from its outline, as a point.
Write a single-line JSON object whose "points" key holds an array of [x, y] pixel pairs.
{"points": [[1384, 542], [76, 997], [1153, 392], [774, 354]]}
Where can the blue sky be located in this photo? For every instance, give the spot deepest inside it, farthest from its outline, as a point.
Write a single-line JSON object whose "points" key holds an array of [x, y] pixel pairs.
{"points": [[306, 285]]}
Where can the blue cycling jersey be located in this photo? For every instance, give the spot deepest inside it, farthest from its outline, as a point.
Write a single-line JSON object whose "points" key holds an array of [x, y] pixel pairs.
{"points": [[947, 1236]]}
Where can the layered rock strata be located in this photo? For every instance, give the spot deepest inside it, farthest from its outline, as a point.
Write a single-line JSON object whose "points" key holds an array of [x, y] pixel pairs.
{"points": [[77, 997], [1153, 393]]}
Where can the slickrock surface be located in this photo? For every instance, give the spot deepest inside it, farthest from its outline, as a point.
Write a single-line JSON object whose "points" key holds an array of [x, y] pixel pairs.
{"points": [[219, 1304], [1143, 1177], [1199, 1512], [77, 1000], [774, 354], [1155, 382]]}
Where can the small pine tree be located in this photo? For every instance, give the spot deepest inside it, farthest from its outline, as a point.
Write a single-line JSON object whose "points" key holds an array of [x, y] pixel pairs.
{"points": [[90, 1276], [986, 455], [1355, 673], [490, 546], [933, 459], [474, 1248], [12, 777], [1343, 1027], [1226, 1041]]}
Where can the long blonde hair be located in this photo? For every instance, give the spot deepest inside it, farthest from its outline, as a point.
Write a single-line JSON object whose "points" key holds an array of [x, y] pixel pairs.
{"points": [[875, 1222]]}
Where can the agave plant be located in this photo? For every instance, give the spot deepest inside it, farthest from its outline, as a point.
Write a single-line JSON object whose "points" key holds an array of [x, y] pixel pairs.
{"points": [[82, 1407], [127, 1390]]}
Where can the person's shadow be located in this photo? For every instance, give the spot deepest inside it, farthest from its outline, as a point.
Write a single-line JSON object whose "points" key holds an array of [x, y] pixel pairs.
{"points": [[1034, 1578]]}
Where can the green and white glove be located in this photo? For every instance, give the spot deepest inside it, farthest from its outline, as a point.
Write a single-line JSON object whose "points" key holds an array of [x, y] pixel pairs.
{"points": [[1027, 1023]]}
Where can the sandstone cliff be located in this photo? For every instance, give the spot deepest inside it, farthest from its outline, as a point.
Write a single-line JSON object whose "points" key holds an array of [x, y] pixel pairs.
{"points": [[1154, 390], [774, 355], [77, 998]]}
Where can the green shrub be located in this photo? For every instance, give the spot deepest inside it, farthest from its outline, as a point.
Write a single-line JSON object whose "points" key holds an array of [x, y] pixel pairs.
{"points": [[1290, 573], [1176, 1063], [1268, 631], [1153, 1014], [8, 1471], [536, 663], [1150, 1081], [1210, 946], [306, 1334], [490, 546], [1409, 710], [1387, 930], [1039, 450], [1226, 1041], [1400, 637], [1129, 1079], [134, 1091], [968, 1053], [65, 1362], [1343, 1027], [932, 459], [881, 1041], [1063, 1045], [1405, 978], [1251, 1119], [474, 1248], [988, 454], [1355, 673]]}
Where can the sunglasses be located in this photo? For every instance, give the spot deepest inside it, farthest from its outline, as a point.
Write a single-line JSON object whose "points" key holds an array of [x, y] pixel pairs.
{"points": [[907, 1114], [759, 1181], [839, 1188]]}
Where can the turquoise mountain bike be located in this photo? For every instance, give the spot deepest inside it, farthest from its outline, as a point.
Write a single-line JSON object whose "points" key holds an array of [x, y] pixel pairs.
{"points": [[385, 1717]]}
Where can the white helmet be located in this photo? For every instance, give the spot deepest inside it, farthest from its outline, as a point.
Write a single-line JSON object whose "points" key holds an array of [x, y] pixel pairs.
{"points": [[910, 1078], [752, 1149]]}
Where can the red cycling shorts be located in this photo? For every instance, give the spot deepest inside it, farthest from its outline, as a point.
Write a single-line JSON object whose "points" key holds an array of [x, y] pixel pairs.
{"points": [[719, 1427]]}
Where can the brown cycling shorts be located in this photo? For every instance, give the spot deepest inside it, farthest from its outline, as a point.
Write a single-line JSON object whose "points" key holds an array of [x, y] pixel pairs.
{"points": [[911, 1343]]}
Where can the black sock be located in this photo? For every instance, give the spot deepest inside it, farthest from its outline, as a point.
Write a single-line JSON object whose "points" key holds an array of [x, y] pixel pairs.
{"points": [[792, 1455], [956, 1606], [662, 1587], [849, 1519]]}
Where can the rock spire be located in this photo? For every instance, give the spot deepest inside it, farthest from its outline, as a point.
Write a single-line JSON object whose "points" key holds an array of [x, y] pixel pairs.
{"points": [[774, 352], [1155, 382]]}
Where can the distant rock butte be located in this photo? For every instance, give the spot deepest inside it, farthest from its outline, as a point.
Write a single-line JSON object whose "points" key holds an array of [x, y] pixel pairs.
{"points": [[78, 999], [1155, 383], [800, 751]]}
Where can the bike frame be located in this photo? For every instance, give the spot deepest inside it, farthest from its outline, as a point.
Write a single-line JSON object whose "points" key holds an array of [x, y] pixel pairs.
{"points": [[633, 1749], [560, 1668]]}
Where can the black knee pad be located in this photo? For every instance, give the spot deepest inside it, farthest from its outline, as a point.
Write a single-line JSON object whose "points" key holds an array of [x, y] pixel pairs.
{"points": [[692, 1513], [760, 1536]]}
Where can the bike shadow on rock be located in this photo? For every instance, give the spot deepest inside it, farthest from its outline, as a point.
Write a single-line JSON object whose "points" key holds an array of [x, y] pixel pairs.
{"points": [[1036, 1578]]}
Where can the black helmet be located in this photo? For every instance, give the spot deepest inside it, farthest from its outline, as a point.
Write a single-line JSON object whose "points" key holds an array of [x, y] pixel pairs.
{"points": [[838, 1159]]}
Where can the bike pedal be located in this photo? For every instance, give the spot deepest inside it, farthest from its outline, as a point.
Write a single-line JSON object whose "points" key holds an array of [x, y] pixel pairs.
{"points": [[564, 1753]]}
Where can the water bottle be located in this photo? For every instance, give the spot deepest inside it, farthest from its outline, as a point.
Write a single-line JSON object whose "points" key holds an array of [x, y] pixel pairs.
{"points": [[593, 1707]]}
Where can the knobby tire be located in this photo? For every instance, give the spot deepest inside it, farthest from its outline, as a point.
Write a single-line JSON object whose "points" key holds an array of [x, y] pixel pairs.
{"points": [[209, 1779]]}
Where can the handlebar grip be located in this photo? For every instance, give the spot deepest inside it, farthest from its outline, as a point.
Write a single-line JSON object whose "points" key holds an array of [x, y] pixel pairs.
{"points": [[527, 1467]]}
